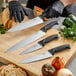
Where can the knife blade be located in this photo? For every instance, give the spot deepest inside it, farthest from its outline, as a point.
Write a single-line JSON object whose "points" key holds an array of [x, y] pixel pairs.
{"points": [[40, 44], [33, 37], [30, 23], [45, 55]]}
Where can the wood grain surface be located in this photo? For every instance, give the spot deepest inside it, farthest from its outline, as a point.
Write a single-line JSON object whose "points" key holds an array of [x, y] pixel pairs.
{"points": [[34, 69]]}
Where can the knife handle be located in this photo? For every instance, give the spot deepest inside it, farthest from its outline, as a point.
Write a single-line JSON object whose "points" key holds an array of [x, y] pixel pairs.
{"points": [[50, 38], [44, 14], [60, 48], [48, 26]]}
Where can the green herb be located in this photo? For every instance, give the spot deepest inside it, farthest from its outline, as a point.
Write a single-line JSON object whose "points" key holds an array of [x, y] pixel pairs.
{"points": [[2, 29], [3, 32], [1, 25], [70, 28]]}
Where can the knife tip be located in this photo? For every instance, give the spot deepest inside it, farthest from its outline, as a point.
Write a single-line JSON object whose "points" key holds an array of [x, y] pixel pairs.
{"points": [[8, 50], [22, 62], [5, 52], [21, 53], [9, 30]]}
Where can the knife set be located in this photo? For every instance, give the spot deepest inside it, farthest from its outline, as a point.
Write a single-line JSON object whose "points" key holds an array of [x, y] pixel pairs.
{"points": [[33, 37], [39, 45]]}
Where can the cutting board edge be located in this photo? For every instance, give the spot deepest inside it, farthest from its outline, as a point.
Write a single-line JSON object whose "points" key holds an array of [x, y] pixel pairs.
{"points": [[29, 70]]}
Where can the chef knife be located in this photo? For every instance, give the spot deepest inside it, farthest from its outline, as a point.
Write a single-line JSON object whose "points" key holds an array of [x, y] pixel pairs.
{"points": [[33, 37], [30, 23], [45, 55], [40, 44]]}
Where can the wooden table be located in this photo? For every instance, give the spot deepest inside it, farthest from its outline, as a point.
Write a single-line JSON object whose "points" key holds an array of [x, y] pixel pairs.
{"points": [[34, 69]]}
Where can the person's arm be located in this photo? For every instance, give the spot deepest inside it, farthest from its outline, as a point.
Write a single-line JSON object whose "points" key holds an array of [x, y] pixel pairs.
{"points": [[54, 10], [68, 2]]}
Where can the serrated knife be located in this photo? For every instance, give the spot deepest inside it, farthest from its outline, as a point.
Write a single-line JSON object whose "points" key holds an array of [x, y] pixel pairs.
{"points": [[45, 55], [33, 37], [40, 44]]}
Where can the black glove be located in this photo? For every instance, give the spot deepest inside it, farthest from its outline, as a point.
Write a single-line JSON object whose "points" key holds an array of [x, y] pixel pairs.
{"points": [[70, 9], [18, 11], [54, 10]]}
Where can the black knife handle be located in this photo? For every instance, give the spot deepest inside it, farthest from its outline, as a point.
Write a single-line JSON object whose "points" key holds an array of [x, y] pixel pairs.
{"points": [[48, 26], [44, 14], [50, 38], [60, 48]]}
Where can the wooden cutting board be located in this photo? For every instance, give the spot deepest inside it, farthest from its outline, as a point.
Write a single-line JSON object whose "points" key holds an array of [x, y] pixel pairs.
{"points": [[33, 69]]}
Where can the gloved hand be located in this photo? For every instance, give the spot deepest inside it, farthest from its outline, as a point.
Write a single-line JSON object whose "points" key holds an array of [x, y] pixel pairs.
{"points": [[19, 11], [54, 10], [70, 9]]}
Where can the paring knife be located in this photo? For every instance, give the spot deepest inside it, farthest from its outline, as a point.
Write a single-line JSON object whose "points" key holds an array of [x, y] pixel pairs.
{"points": [[33, 37], [40, 44], [45, 55], [30, 23]]}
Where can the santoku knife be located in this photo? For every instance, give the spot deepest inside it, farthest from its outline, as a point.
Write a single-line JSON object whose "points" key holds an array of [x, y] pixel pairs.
{"points": [[33, 37], [45, 55], [40, 44]]}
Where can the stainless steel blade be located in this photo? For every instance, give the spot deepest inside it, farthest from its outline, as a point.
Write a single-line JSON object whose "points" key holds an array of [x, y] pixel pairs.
{"points": [[27, 41], [30, 23], [31, 49], [36, 57]]}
